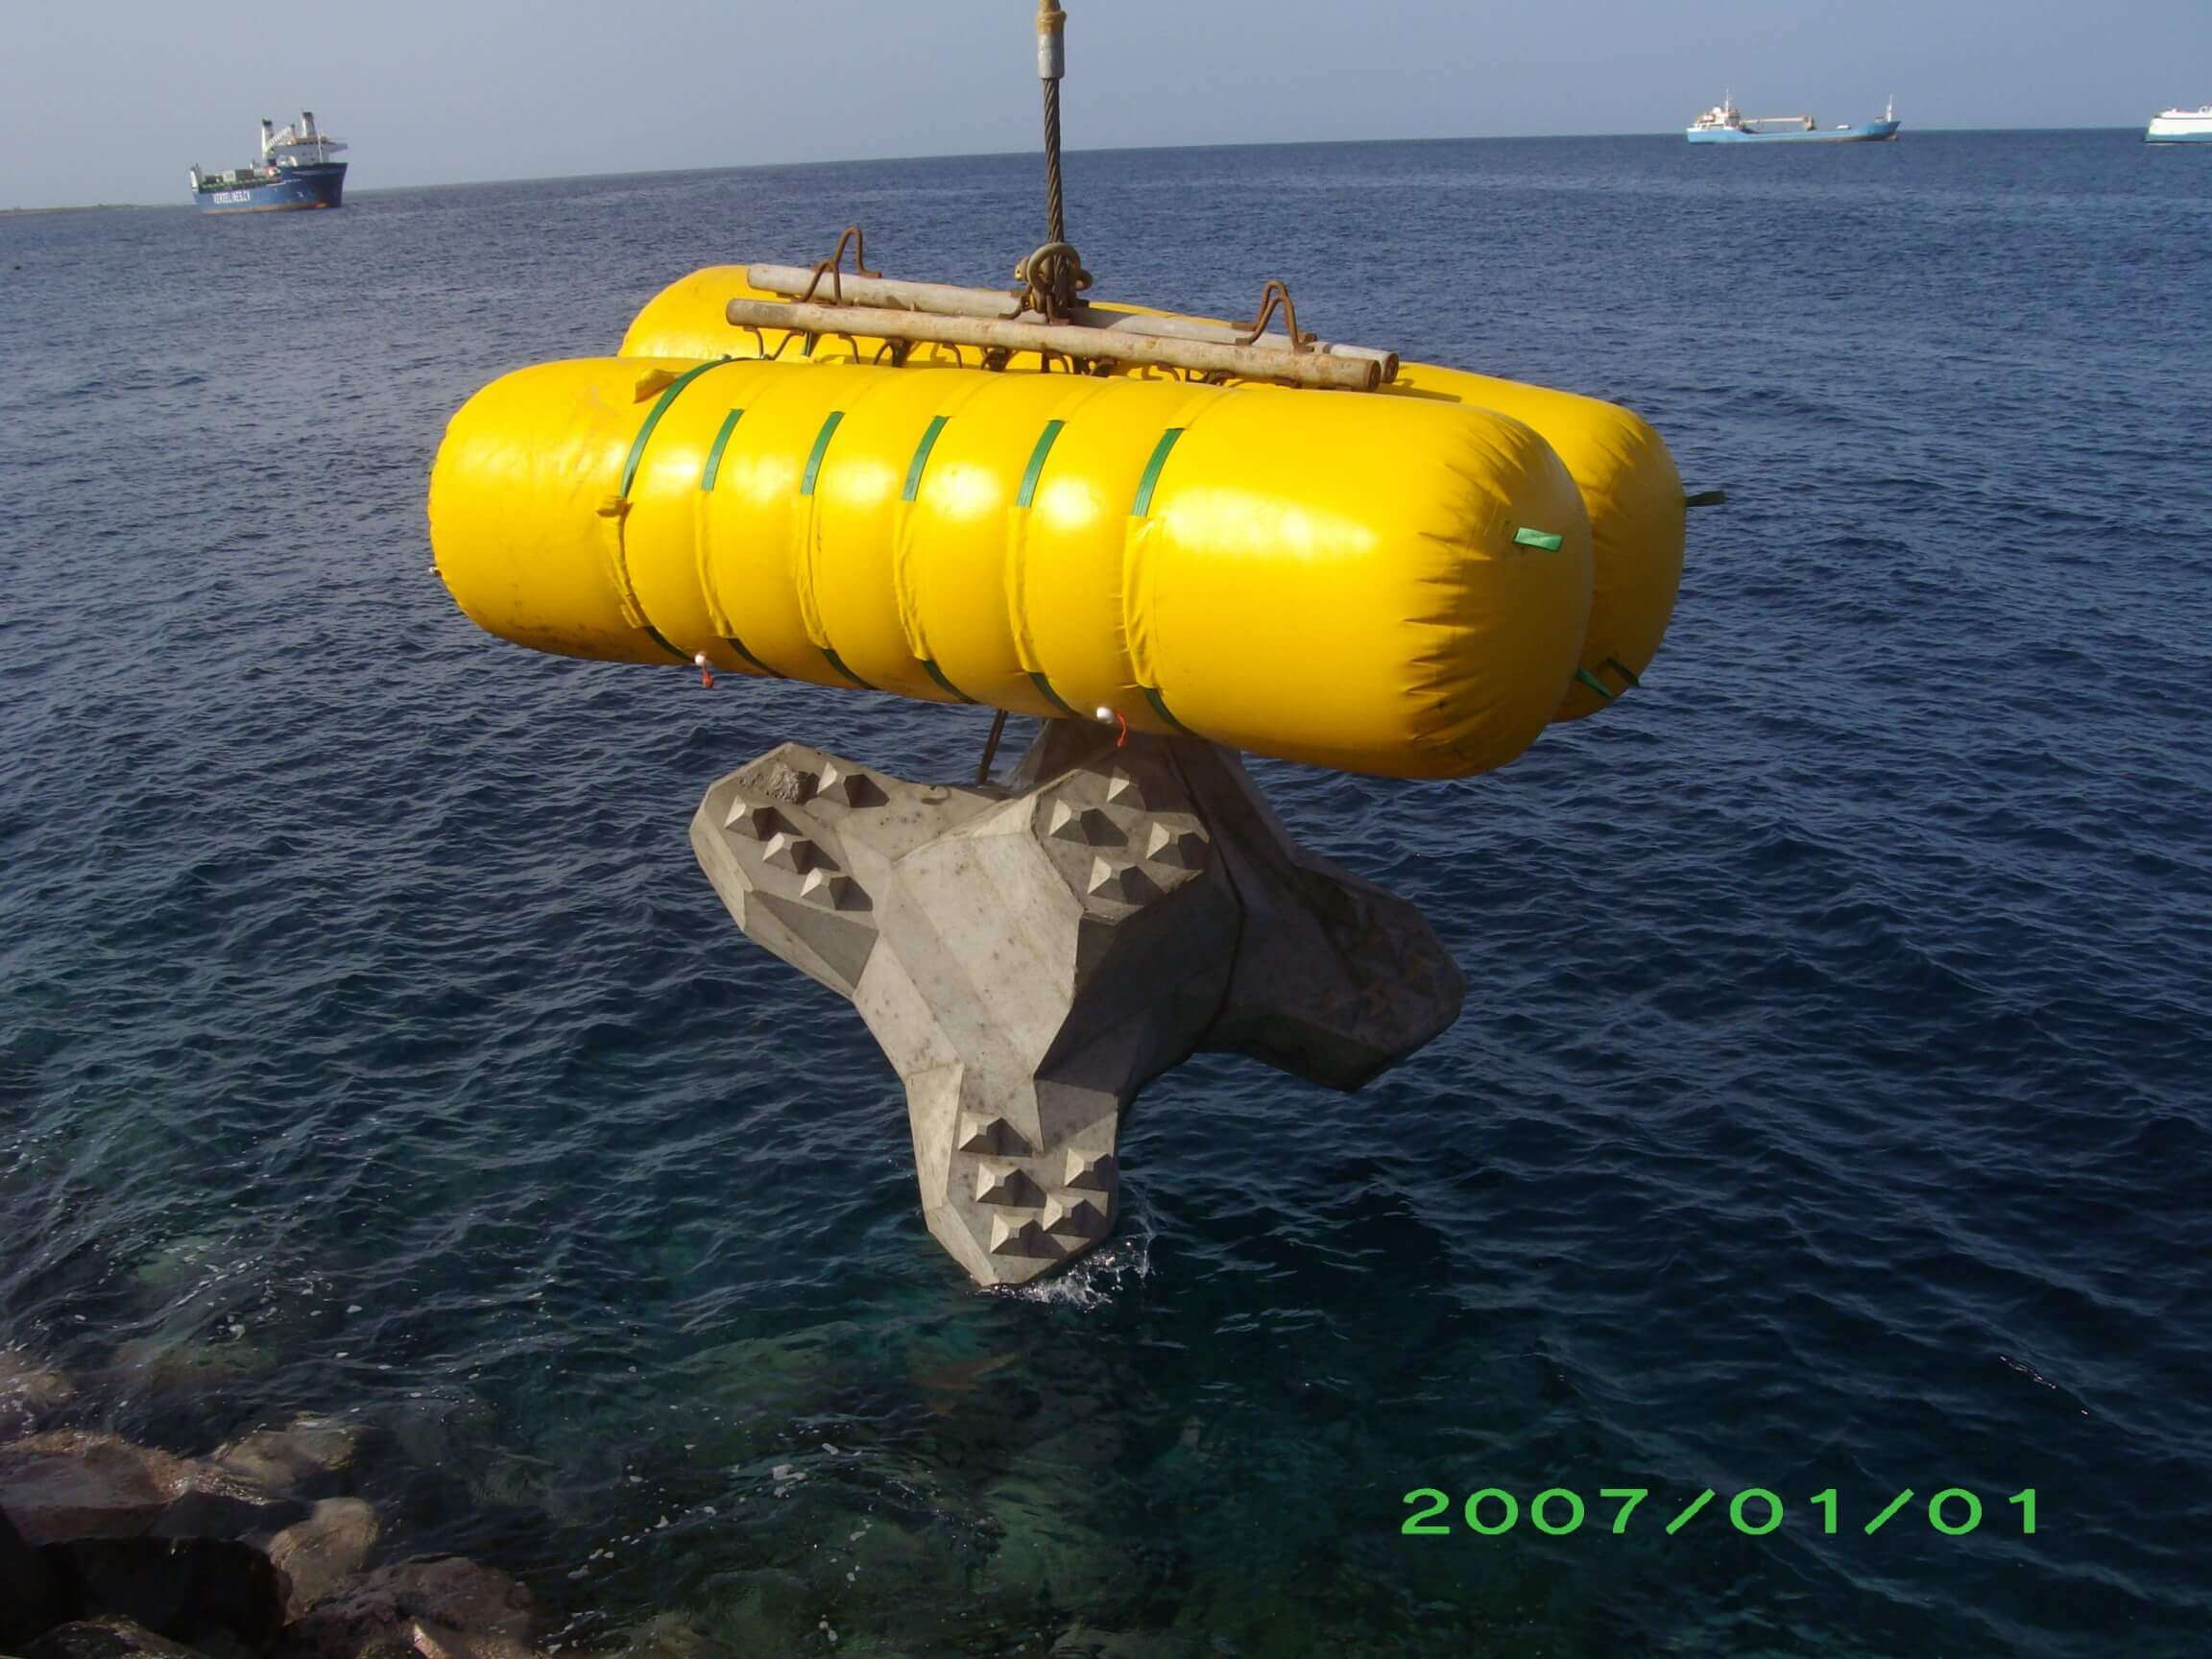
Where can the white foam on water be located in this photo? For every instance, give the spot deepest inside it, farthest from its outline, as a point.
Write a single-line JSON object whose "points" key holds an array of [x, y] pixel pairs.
{"points": [[1094, 1280]]}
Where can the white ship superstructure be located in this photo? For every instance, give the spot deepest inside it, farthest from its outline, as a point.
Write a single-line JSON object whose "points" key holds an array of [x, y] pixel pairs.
{"points": [[2181, 127]]}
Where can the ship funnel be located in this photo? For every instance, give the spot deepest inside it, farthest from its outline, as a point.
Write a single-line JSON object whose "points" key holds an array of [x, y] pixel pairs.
{"points": [[268, 126], [308, 123]]}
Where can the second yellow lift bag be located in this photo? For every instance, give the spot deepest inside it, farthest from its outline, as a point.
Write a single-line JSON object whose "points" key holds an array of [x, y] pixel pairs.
{"points": [[1386, 585], [1630, 490]]}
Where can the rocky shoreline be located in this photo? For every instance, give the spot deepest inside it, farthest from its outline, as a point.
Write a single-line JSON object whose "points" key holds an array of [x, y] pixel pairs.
{"points": [[256, 1550]]}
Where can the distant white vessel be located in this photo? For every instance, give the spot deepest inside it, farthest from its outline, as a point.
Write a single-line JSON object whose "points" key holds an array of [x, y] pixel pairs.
{"points": [[2181, 127]]}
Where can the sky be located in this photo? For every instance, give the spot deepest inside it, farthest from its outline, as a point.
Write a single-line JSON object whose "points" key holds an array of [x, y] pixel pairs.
{"points": [[112, 99]]}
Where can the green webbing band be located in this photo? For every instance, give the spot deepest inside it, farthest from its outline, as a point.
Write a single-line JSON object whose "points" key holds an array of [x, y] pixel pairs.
{"points": [[821, 446], [714, 452], [1045, 686], [653, 420], [661, 640], [1595, 684], [1543, 538], [1146, 484], [1624, 670], [1160, 708], [922, 457], [938, 674], [808, 349], [838, 662], [1028, 491], [738, 645]]}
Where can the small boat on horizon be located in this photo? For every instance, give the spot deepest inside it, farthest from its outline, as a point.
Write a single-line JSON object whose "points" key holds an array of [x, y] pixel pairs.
{"points": [[1726, 123], [2178, 125], [294, 172]]}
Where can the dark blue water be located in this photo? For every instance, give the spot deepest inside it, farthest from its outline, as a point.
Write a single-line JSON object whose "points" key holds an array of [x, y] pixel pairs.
{"points": [[1830, 1110]]}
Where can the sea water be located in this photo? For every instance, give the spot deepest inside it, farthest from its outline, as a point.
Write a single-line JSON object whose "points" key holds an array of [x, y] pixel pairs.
{"points": [[1830, 1113]]}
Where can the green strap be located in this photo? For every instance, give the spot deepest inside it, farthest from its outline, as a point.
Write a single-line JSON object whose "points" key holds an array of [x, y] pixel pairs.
{"points": [[821, 447], [1028, 491], [714, 452], [1145, 484], [637, 456], [1624, 670], [1543, 538], [1053, 697], [738, 645], [938, 674], [1160, 708], [922, 457], [653, 420], [838, 662], [1586, 678]]}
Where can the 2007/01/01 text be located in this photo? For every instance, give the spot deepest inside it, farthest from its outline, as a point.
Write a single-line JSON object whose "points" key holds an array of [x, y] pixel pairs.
{"points": [[1557, 1510]]}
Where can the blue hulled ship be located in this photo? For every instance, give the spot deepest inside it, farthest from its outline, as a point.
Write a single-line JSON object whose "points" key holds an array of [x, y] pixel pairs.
{"points": [[1726, 123], [294, 172]]}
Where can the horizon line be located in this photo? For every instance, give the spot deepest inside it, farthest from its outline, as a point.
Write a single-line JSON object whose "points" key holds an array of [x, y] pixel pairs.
{"points": [[1001, 154]]}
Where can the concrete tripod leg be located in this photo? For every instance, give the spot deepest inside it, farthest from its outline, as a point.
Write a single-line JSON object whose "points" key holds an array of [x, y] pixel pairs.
{"points": [[1028, 957]]}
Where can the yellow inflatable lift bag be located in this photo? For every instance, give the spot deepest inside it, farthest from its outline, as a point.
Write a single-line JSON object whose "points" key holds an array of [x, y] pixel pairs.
{"points": [[1393, 585], [1629, 485]]}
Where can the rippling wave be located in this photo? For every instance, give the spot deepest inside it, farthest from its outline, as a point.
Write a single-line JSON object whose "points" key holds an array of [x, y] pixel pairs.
{"points": [[1829, 1111]]}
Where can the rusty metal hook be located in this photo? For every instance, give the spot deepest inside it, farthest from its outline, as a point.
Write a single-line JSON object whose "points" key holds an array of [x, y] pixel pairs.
{"points": [[1276, 296], [833, 267]]}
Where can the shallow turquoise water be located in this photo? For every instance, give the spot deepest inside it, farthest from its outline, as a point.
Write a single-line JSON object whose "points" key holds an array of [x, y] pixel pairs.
{"points": [[1829, 1111]]}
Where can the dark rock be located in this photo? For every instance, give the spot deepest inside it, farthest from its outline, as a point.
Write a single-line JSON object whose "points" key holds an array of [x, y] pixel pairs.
{"points": [[214, 1505], [308, 1457], [181, 1588], [32, 1599], [30, 1393], [434, 1606], [68, 1485], [330, 1545], [104, 1639], [167, 1364]]}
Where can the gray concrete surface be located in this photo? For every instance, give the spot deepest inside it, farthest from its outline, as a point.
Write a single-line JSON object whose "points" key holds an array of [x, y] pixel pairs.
{"points": [[1029, 956]]}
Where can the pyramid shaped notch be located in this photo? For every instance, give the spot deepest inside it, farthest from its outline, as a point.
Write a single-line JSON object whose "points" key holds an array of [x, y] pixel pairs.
{"points": [[1012, 1238], [850, 785], [791, 852], [837, 892], [1126, 883], [1093, 1175], [1006, 1187], [1074, 1216], [991, 1138], [1122, 788], [1086, 825], [755, 823], [1177, 848]]}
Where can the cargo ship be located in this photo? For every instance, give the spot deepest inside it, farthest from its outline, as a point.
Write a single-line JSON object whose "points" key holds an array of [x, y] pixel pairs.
{"points": [[294, 172], [2180, 127], [1726, 123]]}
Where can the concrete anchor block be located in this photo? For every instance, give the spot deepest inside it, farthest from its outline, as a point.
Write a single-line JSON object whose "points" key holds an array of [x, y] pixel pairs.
{"points": [[1029, 956]]}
